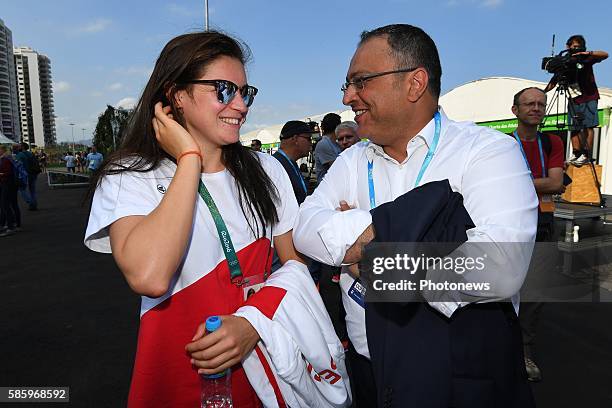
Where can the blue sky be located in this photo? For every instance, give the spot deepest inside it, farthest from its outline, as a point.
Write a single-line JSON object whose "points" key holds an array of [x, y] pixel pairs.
{"points": [[103, 51]]}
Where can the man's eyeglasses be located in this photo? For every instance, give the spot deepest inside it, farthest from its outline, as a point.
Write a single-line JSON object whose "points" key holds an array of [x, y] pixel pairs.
{"points": [[532, 105], [226, 90], [359, 82]]}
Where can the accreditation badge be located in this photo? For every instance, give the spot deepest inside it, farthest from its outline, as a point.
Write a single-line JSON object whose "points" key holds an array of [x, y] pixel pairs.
{"points": [[251, 285], [357, 292], [547, 205]]}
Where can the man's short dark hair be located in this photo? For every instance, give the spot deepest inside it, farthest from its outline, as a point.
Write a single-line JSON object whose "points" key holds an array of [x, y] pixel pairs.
{"points": [[25, 146], [411, 47], [256, 141], [577, 37], [329, 122], [517, 96]]}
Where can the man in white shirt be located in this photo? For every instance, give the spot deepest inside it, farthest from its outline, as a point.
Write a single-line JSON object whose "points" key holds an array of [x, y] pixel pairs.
{"points": [[393, 85]]}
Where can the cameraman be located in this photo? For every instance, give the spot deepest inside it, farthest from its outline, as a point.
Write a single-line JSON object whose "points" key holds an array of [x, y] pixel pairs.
{"points": [[585, 105]]}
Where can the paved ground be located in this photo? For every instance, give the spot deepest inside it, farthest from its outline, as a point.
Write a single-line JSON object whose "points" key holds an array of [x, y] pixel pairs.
{"points": [[69, 319]]}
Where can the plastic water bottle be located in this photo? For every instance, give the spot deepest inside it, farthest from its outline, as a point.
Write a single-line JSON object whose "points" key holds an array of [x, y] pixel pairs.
{"points": [[576, 238], [216, 388]]}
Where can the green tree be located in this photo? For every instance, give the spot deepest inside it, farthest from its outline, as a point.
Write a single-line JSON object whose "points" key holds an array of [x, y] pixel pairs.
{"points": [[110, 128]]}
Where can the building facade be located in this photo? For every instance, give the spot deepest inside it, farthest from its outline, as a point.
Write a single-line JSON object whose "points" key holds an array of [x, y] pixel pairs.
{"points": [[9, 111], [36, 108]]}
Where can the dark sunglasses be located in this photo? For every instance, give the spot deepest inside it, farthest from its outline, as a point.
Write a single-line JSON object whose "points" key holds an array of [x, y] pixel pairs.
{"points": [[226, 90]]}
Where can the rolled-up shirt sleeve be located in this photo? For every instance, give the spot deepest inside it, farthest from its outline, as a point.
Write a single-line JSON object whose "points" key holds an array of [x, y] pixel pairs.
{"points": [[322, 231]]}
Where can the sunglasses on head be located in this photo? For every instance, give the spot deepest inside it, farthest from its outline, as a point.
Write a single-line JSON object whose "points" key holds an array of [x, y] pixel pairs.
{"points": [[226, 90]]}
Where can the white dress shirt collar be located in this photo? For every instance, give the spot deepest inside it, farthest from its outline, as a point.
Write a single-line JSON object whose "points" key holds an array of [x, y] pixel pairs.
{"points": [[423, 138]]}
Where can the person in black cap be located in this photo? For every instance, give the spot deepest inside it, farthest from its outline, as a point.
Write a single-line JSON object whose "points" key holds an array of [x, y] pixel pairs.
{"points": [[296, 142]]}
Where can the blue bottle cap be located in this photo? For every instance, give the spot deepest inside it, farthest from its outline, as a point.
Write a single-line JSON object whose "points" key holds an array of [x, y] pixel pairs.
{"points": [[213, 323]]}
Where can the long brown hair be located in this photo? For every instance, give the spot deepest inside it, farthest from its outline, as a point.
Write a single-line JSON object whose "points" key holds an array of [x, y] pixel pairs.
{"points": [[184, 58]]}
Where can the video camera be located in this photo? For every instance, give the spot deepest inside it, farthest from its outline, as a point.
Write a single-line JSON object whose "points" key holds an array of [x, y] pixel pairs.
{"points": [[564, 63]]}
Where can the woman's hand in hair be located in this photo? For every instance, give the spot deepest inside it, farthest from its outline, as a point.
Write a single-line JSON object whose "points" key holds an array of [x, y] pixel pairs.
{"points": [[172, 137], [214, 352]]}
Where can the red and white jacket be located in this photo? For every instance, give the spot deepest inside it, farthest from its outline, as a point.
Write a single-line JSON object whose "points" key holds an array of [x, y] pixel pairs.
{"points": [[299, 361]]}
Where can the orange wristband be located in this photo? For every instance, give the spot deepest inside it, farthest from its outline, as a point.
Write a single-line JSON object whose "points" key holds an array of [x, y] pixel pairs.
{"points": [[188, 152]]}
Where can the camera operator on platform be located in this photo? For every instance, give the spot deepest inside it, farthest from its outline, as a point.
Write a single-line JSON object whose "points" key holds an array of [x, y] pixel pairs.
{"points": [[584, 106]]}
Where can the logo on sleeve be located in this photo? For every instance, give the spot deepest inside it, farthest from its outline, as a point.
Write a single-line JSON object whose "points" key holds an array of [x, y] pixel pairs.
{"points": [[161, 189]]}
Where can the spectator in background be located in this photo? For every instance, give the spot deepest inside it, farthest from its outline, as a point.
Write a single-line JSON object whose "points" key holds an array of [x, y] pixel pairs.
{"points": [[543, 155], [295, 143], [346, 134], [94, 160], [30, 164], [42, 160], [327, 149], [256, 145], [79, 160], [10, 217], [70, 160]]}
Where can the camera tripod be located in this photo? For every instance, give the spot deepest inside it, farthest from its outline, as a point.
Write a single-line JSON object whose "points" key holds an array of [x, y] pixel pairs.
{"points": [[562, 95]]}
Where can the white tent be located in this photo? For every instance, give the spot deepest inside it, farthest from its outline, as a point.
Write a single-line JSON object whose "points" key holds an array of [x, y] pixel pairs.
{"points": [[489, 100], [5, 140], [271, 134]]}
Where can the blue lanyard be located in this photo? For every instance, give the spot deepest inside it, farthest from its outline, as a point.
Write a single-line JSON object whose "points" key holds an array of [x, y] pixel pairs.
{"points": [[525, 156], [297, 171], [426, 161], [371, 185]]}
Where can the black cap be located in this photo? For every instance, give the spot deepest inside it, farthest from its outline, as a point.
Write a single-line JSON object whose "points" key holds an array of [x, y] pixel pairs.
{"points": [[295, 127]]}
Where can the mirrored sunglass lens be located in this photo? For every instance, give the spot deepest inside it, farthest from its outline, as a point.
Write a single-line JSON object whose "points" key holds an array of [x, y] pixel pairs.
{"points": [[226, 92], [248, 95]]}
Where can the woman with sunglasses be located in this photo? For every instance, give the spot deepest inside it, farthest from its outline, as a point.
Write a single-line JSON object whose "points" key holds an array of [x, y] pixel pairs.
{"points": [[189, 215]]}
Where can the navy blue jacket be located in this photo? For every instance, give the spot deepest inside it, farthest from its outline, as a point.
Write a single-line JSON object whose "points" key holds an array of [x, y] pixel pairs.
{"points": [[423, 359], [293, 171]]}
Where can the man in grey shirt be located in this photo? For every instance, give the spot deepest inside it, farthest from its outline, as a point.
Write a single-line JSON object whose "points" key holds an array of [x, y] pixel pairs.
{"points": [[327, 149]]}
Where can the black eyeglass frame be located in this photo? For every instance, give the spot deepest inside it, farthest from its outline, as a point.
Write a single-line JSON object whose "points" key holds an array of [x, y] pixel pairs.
{"points": [[248, 97], [359, 82]]}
